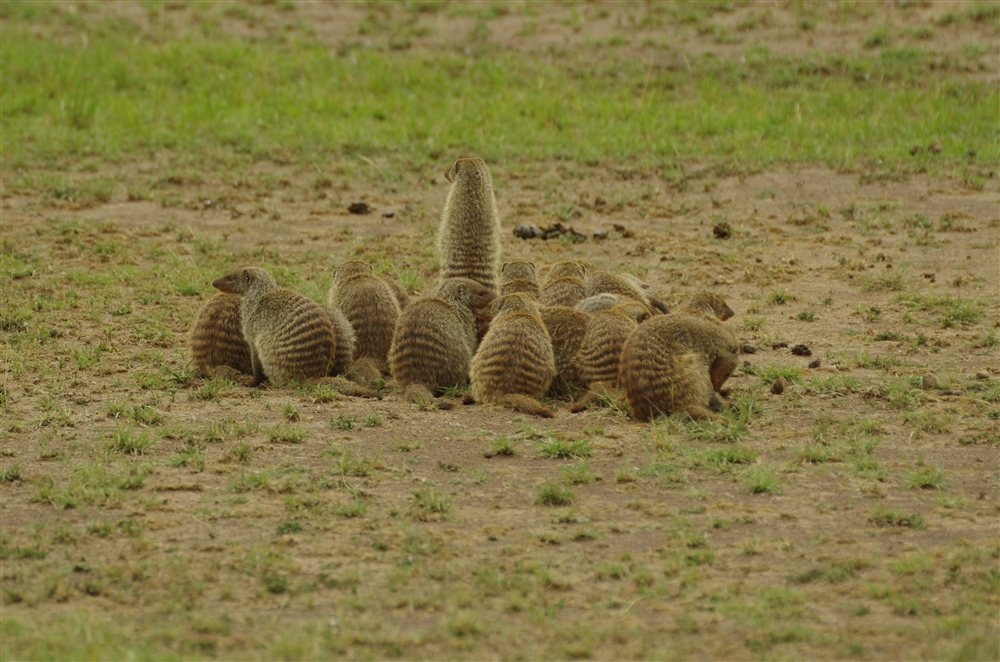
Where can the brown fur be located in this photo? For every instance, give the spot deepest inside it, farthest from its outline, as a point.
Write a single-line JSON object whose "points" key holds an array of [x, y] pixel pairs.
{"points": [[514, 366], [567, 327], [678, 362], [216, 339], [564, 285], [369, 304], [519, 276], [600, 353], [599, 302], [290, 336], [706, 303], [469, 236], [344, 334], [436, 337]]}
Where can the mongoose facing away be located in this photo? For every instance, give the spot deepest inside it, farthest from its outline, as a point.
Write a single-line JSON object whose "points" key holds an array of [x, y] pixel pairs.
{"points": [[344, 334], [599, 302], [216, 339], [677, 362], [566, 327], [514, 365], [564, 285], [706, 303], [469, 236], [370, 305], [435, 339], [290, 336], [623, 284], [519, 276]]}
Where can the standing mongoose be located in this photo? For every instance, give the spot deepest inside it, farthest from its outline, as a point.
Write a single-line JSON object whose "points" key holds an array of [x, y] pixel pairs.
{"points": [[370, 305], [290, 336], [566, 327], [216, 339], [435, 339], [519, 276], [603, 281], [469, 236], [677, 362], [564, 285], [514, 365], [600, 352]]}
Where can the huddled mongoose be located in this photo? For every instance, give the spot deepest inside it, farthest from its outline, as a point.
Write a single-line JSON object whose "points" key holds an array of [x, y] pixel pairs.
{"points": [[435, 339], [289, 335], [564, 285], [599, 302], [469, 236], [519, 276], [370, 305], [603, 281], [344, 334], [514, 365], [216, 339], [706, 303], [677, 362], [566, 327]]}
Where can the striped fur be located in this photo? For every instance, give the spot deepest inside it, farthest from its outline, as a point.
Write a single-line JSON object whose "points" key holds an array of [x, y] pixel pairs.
{"points": [[519, 276], [344, 333], [515, 357], [290, 336], [216, 339], [372, 308], [564, 285], [436, 336], [677, 362], [469, 236], [567, 327], [601, 349], [706, 303]]}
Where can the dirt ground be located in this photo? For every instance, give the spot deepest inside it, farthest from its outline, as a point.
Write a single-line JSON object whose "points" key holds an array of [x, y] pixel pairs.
{"points": [[661, 553]]}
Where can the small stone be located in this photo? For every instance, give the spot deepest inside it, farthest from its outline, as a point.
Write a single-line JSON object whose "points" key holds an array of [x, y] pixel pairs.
{"points": [[928, 381], [536, 232], [359, 207], [722, 230], [779, 345], [982, 374], [558, 228], [618, 226], [577, 237], [778, 386], [388, 213], [801, 350], [748, 349], [600, 202], [600, 235], [523, 231], [814, 364], [551, 234]]}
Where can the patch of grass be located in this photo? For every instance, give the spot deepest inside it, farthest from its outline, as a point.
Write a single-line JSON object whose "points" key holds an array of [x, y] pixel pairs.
{"points": [[577, 474], [925, 478], [343, 422], [289, 411], [406, 445], [130, 441], [571, 449], [779, 297], [882, 516], [553, 493], [430, 503], [761, 479], [285, 433], [502, 446]]}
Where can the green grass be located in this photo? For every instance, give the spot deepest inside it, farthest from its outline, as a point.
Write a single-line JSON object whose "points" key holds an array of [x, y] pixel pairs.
{"points": [[233, 98]]}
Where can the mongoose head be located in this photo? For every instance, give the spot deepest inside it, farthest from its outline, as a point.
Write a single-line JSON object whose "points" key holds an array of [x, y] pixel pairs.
{"points": [[518, 269], [710, 304], [567, 269], [467, 166], [245, 279], [517, 302], [466, 292], [351, 268], [635, 310]]}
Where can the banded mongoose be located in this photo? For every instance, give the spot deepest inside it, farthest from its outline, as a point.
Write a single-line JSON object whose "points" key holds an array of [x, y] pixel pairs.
{"points": [[370, 305], [469, 236], [706, 303], [289, 335], [603, 281], [599, 302], [344, 333], [564, 285], [566, 327], [677, 362], [216, 339], [435, 339], [519, 276], [600, 353], [514, 365]]}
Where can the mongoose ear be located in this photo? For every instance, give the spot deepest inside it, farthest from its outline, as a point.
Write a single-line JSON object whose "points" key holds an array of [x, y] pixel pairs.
{"points": [[452, 171], [503, 268]]}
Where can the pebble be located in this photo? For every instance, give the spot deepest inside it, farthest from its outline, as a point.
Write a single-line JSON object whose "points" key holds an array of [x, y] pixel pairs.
{"points": [[524, 231], [388, 213], [748, 349], [722, 230], [778, 386], [359, 207], [600, 235], [982, 374], [814, 364], [801, 350], [779, 345]]}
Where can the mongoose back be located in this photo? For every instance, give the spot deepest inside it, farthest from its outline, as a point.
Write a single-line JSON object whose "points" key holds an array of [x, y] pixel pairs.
{"points": [[677, 362], [469, 236], [599, 302], [706, 303], [519, 276], [564, 285], [514, 365], [344, 333], [216, 339], [601, 350], [435, 339], [290, 336], [371, 306], [566, 327]]}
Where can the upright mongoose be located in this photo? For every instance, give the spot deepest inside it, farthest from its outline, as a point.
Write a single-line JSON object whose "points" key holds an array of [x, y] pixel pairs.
{"points": [[603, 281], [469, 236], [435, 339], [216, 339], [677, 362], [566, 327], [290, 336], [600, 352], [564, 285], [519, 276], [372, 308], [514, 364]]}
